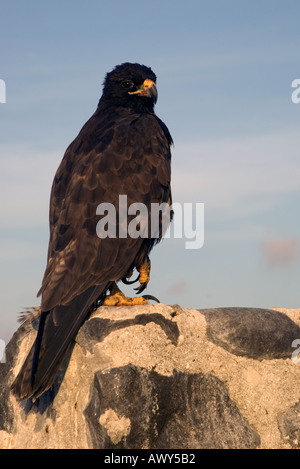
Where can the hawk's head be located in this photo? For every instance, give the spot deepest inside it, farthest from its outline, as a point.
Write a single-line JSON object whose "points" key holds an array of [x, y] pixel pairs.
{"points": [[130, 85]]}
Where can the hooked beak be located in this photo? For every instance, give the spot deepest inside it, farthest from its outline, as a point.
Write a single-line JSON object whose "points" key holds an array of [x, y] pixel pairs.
{"points": [[148, 90]]}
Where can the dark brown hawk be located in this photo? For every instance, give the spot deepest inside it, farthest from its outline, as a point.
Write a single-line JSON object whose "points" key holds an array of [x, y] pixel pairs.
{"points": [[122, 150]]}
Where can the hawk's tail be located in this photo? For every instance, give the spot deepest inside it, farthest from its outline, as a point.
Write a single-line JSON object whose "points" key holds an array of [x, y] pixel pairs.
{"points": [[56, 330]]}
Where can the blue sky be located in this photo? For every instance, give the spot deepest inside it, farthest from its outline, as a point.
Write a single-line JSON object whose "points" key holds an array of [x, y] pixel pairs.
{"points": [[224, 71]]}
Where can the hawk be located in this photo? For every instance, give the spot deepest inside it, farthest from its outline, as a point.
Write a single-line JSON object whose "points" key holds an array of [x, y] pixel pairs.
{"points": [[122, 150]]}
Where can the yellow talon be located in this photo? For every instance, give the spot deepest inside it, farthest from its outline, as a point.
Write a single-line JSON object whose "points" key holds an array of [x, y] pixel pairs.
{"points": [[117, 298], [144, 271]]}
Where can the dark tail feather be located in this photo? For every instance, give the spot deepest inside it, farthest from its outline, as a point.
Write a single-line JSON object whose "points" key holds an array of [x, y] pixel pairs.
{"points": [[37, 344], [56, 330]]}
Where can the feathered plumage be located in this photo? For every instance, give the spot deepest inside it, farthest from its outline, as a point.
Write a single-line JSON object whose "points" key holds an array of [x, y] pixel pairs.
{"points": [[123, 149]]}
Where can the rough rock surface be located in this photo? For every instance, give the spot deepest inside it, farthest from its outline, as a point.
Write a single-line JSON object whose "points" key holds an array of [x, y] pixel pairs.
{"points": [[164, 377]]}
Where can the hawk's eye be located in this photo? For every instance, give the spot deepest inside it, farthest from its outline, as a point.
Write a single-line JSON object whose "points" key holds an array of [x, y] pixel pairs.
{"points": [[127, 84]]}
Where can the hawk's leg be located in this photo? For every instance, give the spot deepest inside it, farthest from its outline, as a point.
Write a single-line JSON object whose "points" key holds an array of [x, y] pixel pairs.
{"points": [[117, 298], [144, 277]]}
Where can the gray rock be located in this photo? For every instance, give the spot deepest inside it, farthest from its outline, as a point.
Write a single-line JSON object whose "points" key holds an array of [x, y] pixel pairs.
{"points": [[163, 377], [289, 425], [183, 411], [252, 332]]}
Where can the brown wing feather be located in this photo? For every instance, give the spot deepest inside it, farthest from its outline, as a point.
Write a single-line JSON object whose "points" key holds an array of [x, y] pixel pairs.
{"points": [[130, 157]]}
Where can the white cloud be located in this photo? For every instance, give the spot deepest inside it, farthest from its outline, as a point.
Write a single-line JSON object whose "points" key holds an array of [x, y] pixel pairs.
{"points": [[235, 178], [179, 288], [26, 177], [280, 252], [20, 250], [240, 177]]}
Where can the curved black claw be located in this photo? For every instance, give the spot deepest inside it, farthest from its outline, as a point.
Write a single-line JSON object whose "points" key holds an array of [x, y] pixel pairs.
{"points": [[141, 288], [129, 282], [150, 297]]}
